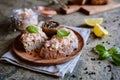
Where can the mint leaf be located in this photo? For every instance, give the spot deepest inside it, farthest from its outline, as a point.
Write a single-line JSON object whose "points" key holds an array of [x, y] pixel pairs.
{"points": [[32, 29], [62, 33], [114, 50]]}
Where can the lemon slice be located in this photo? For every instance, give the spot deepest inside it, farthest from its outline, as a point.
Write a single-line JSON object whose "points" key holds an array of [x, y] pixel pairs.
{"points": [[93, 21], [99, 31]]}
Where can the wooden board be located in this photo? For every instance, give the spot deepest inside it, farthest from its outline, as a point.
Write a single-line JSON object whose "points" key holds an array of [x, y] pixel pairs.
{"points": [[69, 9], [90, 9]]}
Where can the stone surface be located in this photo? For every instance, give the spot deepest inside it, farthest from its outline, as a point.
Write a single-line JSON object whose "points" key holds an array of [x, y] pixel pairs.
{"points": [[88, 67]]}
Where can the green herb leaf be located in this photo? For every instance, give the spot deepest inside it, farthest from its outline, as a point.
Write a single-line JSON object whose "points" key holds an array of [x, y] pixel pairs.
{"points": [[114, 50], [116, 58], [101, 50], [104, 55], [32, 29], [62, 33]]}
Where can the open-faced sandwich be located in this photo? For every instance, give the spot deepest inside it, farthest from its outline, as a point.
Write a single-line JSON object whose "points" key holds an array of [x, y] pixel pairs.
{"points": [[60, 45], [32, 38]]}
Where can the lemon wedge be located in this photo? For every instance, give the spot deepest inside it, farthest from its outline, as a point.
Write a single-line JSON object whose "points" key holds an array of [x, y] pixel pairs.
{"points": [[93, 21], [99, 31]]}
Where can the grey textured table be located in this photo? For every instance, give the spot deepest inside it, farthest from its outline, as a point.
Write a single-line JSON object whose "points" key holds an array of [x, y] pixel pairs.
{"points": [[88, 67]]}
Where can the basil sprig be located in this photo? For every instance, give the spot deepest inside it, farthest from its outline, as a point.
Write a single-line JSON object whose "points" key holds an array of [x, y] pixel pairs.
{"points": [[62, 33], [113, 52], [32, 29], [102, 51]]}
